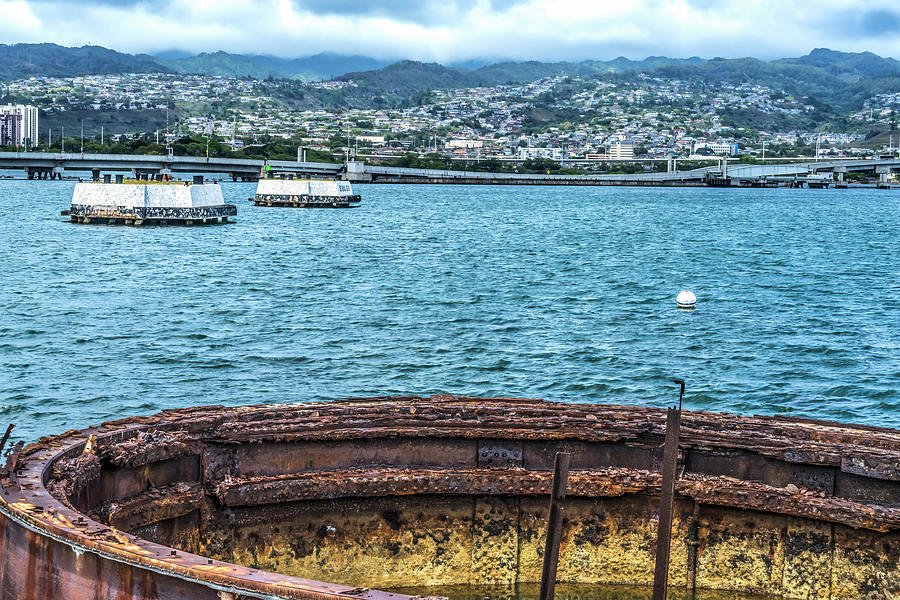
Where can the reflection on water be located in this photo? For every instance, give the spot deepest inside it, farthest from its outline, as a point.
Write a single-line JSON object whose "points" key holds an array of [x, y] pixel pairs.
{"points": [[568, 591]]}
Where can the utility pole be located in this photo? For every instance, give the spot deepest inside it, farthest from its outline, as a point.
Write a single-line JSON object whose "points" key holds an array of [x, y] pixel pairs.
{"points": [[764, 150], [82, 137], [101, 135], [62, 138]]}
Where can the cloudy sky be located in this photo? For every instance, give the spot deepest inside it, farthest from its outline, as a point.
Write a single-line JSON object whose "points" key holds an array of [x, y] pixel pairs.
{"points": [[457, 30]]}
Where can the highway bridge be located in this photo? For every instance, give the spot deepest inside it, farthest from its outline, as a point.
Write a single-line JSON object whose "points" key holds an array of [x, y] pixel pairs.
{"points": [[43, 165]]}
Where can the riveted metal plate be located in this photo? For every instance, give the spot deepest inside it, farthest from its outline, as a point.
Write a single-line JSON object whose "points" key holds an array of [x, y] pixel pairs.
{"points": [[820, 479], [495, 453]]}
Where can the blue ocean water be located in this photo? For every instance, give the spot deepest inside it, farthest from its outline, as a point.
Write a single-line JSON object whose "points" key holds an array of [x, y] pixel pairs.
{"points": [[552, 292]]}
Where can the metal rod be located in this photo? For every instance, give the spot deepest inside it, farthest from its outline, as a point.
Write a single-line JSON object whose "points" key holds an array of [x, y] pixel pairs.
{"points": [[681, 395], [6, 437], [554, 525], [666, 504]]}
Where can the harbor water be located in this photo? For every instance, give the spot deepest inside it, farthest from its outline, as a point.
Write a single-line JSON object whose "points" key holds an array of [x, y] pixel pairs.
{"points": [[558, 293]]}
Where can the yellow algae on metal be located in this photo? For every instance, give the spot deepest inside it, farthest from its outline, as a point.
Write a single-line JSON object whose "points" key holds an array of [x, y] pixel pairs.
{"points": [[807, 559], [865, 565], [745, 554], [427, 540], [495, 540]]}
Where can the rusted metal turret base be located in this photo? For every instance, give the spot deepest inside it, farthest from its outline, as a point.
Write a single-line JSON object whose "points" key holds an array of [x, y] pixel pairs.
{"points": [[443, 490]]}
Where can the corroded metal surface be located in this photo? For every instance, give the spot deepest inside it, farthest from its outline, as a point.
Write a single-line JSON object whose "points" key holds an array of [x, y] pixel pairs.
{"points": [[370, 490], [306, 200], [80, 213]]}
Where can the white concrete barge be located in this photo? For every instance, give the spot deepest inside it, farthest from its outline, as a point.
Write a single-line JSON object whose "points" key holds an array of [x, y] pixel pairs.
{"points": [[149, 203], [305, 193]]}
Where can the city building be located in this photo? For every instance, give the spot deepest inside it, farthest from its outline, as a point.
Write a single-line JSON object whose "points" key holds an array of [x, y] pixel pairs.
{"points": [[717, 148], [532, 153], [19, 130], [464, 144], [621, 150], [10, 129]]}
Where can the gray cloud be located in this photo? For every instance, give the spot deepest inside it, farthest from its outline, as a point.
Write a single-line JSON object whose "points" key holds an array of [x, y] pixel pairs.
{"points": [[879, 22], [427, 12], [457, 30]]}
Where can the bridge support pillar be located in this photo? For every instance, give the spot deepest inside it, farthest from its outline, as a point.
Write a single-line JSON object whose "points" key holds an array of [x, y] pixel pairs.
{"points": [[840, 171], [883, 173], [356, 172]]}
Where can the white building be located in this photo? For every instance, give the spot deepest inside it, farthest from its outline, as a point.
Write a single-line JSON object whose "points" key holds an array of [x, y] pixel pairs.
{"points": [[717, 147], [464, 144], [532, 153], [27, 128], [621, 150]]}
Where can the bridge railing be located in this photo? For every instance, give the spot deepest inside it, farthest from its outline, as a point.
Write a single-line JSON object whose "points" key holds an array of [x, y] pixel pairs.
{"points": [[113, 158]]}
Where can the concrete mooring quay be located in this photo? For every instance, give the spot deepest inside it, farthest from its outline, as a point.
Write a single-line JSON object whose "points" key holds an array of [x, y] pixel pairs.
{"points": [[274, 501]]}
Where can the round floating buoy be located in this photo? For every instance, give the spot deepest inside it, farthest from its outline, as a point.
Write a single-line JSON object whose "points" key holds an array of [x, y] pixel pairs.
{"points": [[686, 299]]}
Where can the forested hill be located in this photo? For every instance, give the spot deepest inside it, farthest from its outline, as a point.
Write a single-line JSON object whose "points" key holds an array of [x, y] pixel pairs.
{"points": [[18, 61], [842, 80]]}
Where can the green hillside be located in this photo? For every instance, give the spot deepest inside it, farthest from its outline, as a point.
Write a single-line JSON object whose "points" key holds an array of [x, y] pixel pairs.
{"points": [[28, 60]]}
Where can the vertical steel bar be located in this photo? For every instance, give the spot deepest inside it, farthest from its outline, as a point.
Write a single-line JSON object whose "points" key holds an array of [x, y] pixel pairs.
{"points": [[6, 437], [554, 525], [666, 504]]}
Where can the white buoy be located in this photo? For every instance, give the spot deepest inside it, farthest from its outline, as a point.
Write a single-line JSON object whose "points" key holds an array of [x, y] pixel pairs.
{"points": [[686, 299]]}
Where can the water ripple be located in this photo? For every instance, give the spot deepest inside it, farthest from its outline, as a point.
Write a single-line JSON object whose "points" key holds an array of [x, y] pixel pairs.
{"points": [[560, 293]]}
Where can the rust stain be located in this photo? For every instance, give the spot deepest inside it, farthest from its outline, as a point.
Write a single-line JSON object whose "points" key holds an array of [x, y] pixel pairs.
{"points": [[260, 461]]}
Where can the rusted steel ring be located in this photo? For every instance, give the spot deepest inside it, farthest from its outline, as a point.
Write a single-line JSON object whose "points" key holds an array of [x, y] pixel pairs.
{"points": [[51, 548]]}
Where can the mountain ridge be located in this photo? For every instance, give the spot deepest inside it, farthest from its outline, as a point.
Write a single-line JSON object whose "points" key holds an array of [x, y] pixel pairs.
{"points": [[839, 79]]}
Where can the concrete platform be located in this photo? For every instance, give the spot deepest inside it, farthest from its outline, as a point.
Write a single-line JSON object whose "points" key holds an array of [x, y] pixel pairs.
{"points": [[305, 193], [146, 203]]}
